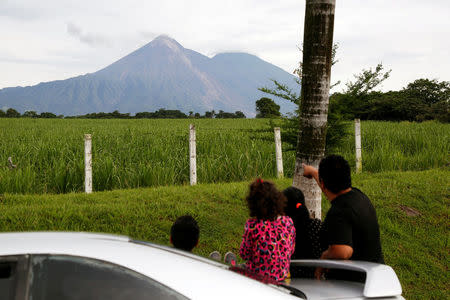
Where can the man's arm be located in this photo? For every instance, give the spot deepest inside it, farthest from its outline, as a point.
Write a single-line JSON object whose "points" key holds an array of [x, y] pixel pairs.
{"points": [[337, 252], [311, 172], [334, 252]]}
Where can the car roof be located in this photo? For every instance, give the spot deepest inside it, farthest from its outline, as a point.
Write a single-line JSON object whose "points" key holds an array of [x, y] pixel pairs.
{"points": [[189, 274]]}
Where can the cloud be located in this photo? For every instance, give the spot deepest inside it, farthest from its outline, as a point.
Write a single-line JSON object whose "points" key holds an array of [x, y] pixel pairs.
{"points": [[149, 35], [90, 39], [16, 11]]}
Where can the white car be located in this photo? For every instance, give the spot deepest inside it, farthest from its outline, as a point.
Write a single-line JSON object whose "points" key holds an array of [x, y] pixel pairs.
{"points": [[61, 265]]}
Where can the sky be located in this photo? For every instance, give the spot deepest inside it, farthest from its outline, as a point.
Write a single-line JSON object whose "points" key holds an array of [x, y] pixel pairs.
{"points": [[46, 40]]}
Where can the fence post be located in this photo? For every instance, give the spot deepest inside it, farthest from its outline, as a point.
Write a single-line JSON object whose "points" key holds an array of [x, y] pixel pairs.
{"points": [[278, 152], [88, 163], [358, 145], [192, 155]]}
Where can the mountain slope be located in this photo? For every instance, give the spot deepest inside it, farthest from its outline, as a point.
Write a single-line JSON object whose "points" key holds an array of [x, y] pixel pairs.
{"points": [[161, 74]]}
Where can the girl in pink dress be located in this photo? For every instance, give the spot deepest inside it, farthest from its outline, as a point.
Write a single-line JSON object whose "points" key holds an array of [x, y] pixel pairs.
{"points": [[269, 236]]}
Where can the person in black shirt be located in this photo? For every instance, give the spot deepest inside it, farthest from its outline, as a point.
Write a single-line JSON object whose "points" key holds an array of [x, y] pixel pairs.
{"points": [[350, 229]]}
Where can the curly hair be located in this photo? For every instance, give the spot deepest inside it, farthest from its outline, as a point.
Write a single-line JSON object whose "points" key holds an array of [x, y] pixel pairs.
{"points": [[265, 201]]}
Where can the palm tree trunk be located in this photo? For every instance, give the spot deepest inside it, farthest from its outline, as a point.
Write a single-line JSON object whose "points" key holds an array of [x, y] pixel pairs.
{"points": [[317, 48]]}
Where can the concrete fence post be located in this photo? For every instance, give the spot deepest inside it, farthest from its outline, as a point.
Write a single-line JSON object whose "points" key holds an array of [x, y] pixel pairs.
{"points": [[88, 163], [192, 155], [358, 145], [278, 152]]}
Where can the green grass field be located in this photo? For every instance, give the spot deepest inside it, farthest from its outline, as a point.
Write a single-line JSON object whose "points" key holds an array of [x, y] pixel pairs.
{"points": [[417, 247], [142, 153]]}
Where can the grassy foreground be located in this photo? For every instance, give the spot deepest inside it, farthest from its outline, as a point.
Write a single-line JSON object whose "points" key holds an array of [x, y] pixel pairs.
{"points": [[416, 246]]}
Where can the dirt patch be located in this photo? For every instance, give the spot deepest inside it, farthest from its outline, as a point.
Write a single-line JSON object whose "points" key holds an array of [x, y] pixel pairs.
{"points": [[410, 212]]}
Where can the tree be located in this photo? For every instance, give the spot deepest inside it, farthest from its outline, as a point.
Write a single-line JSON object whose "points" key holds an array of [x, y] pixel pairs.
{"points": [[433, 98], [336, 126], [316, 71], [367, 80], [239, 115], [429, 91], [12, 113], [421, 100], [47, 115], [283, 91], [441, 111], [30, 114], [2, 114], [267, 108], [352, 102], [209, 114]]}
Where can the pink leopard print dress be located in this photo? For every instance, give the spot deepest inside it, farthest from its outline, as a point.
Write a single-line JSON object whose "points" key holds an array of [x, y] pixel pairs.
{"points": [[267, 246]]}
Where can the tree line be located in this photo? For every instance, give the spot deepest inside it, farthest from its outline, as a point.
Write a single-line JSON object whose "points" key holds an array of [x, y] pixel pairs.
{"points": [[421, 100], [159, 114]]}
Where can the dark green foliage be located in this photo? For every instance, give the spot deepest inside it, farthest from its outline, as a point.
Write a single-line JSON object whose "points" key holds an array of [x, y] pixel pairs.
{"points": [[353, 101], [227, 115], [428, 91], [47, 115], [209, 114], [101, 115], [239, 115], [337, 129], [12, 113], [164, 114], [267, 108], [161, 114], [441, 111], [421, 100], [367, 80], [30, 114], [431, 98]]}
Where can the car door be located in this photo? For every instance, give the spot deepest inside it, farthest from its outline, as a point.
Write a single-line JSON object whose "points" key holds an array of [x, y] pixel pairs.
{"points": [[63, 277]]}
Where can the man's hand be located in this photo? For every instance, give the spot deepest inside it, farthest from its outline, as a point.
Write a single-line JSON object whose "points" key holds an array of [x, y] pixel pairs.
{"points": [[309, 171], [319, 273]]}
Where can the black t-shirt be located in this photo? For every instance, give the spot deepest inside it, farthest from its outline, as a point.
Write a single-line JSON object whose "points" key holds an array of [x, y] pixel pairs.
{"points": [[352, 221]]}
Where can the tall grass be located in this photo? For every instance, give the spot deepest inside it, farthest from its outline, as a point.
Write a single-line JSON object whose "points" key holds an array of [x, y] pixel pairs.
{"points": [[404, 146], [141, 153], [130, 153]]}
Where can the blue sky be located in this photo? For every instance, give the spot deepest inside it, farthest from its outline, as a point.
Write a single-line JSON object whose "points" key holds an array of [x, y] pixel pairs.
{"points": [[57, 39]]}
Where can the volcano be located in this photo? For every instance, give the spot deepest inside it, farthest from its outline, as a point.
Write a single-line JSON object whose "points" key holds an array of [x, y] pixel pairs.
{"points": [[161, 74]]}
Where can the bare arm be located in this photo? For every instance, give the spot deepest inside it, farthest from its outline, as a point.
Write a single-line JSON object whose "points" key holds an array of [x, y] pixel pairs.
{"points": [[311, 172], [337, 252], [334, 252]]}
